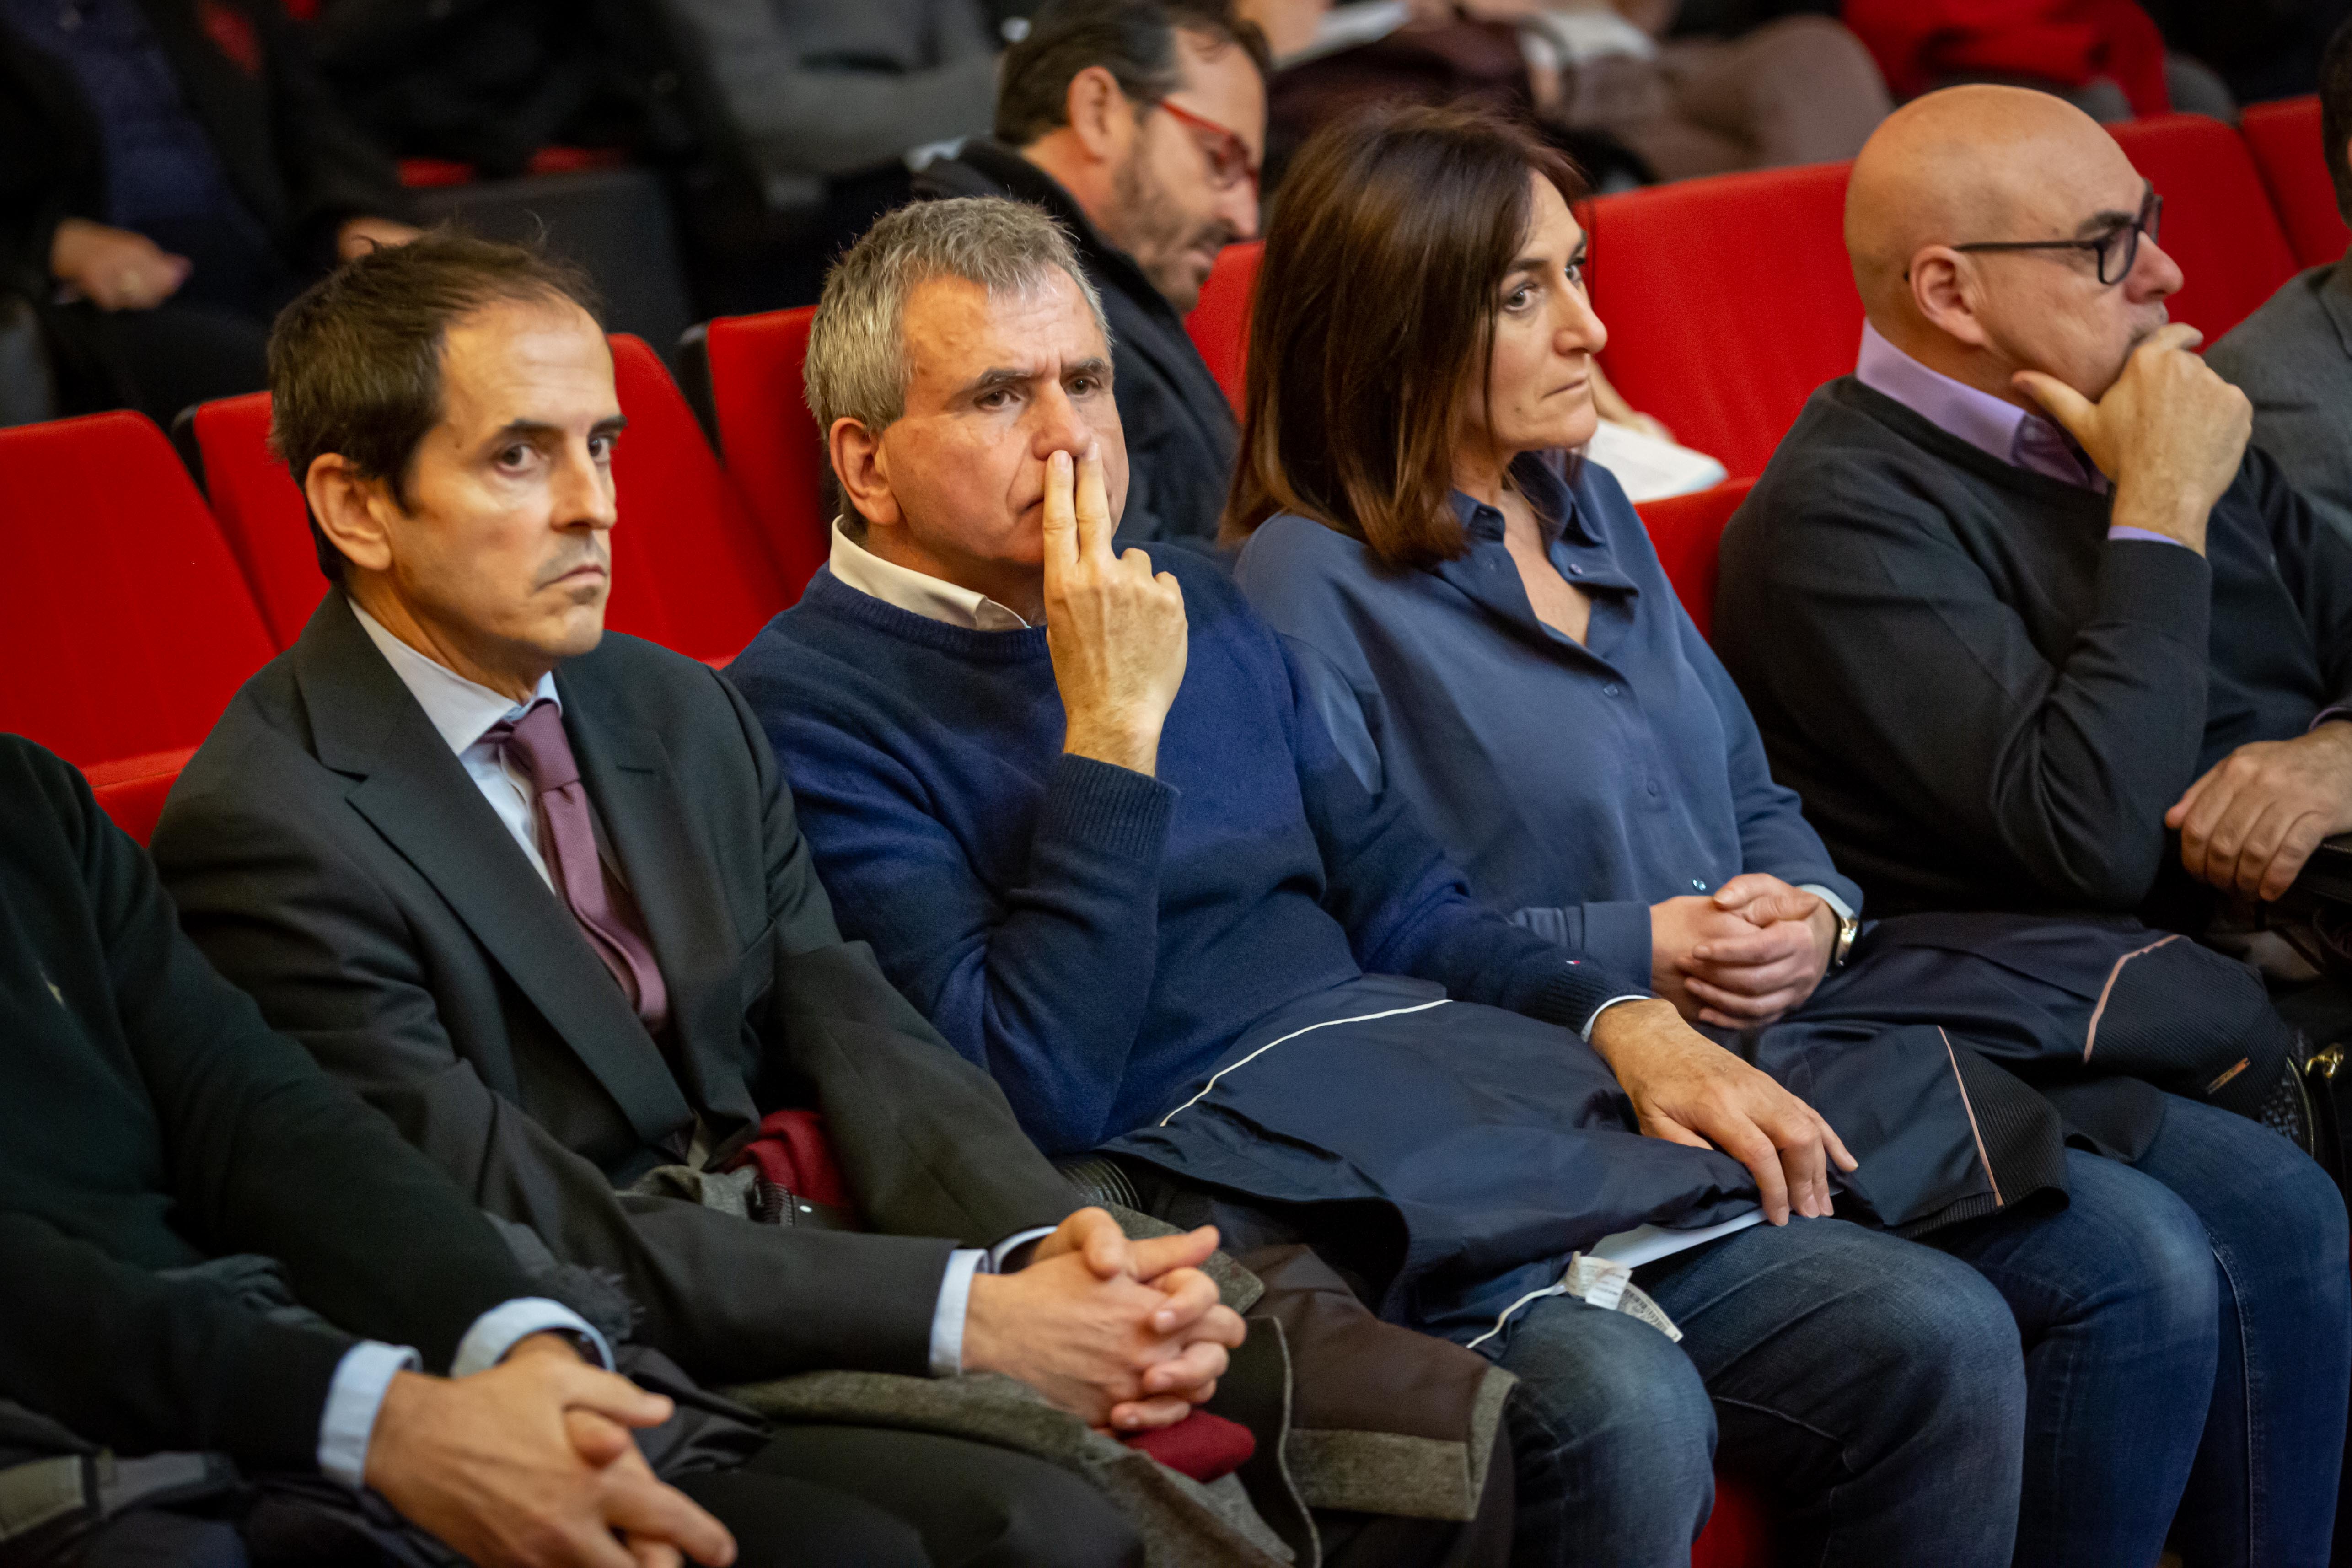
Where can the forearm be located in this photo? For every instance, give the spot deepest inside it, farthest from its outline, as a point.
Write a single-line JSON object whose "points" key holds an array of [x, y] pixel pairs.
{"points": [[141, 1363]]}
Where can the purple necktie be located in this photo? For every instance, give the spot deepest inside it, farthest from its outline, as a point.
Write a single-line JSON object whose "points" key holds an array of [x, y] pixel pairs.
{"points": [[2048, 451], [608, 922]]}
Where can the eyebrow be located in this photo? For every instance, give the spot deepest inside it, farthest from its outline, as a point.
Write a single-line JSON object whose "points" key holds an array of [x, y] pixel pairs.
{"points": [[535, 429], [1543, 264], [1001, 376], [2101, 223]]}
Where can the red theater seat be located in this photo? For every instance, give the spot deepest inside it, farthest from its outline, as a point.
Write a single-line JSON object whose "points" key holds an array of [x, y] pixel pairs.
{"points": [[260, 512], [690, 571], [1684, 530], [774, 449], [1219, 325], [132, 790], [1727, 302], [2285, 141], [2218, 223], [123, 620]]}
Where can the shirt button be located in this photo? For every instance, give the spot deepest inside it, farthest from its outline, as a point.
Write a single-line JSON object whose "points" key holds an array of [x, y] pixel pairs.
{"points": [[1574, 569], [1700, 885], [1611, 690], [1654, 786]]}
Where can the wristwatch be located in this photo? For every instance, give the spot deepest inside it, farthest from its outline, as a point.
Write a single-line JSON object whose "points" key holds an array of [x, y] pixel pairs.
{"points": [[1848, 928]]}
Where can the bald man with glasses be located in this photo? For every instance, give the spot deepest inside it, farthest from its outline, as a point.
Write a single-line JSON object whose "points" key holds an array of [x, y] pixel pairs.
{"points": [[2031, 628]]}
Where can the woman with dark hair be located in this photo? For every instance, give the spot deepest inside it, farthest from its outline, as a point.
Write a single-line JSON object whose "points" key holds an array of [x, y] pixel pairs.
{"points": [[1488, 629]]}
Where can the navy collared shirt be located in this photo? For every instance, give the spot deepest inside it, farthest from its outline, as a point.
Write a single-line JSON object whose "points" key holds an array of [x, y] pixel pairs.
{"points": [[1576, 784]]}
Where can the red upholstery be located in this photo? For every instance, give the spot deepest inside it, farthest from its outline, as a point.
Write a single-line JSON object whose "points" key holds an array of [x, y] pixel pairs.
{"points": [[1219, 324], [2285, 141], [690, 571], [773, 447], [132, 790], [1740, 1532], [2218, 223], [1684, 530], [123, 620], [1727, 302], [260, 512]]}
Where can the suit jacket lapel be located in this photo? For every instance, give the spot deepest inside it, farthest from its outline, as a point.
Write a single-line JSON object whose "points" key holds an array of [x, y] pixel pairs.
{"points": [[647, 818], [413, 790]]}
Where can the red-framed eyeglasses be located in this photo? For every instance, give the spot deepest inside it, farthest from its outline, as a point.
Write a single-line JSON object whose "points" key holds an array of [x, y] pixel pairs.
{"points": [[1228, 155]]}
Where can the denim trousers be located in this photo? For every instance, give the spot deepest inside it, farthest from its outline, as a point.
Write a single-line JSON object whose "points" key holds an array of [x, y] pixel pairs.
{"points": [[1872, 1386], [2186, 1322]]}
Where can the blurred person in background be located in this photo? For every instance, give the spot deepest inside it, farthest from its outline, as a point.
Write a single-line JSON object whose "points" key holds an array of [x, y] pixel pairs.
{"points": [[172, 171], [2293, 357], [1140, 125]]}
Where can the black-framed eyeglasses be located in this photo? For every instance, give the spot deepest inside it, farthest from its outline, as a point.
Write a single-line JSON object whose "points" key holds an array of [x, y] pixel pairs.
{"points": [[2116, 250]]}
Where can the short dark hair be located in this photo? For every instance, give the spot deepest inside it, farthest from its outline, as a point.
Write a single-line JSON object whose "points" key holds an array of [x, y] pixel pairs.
{"points": [[355, 361], [1373, 325], [2336, 114], [1135, 40]]}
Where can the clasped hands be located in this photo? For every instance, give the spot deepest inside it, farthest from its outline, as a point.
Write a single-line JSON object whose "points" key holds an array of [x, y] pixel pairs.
{"points": [[1127, 1335], [1743, 955]]}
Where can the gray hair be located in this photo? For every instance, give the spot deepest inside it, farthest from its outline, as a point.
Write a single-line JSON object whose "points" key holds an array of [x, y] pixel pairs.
{"points": [[859, 364]]}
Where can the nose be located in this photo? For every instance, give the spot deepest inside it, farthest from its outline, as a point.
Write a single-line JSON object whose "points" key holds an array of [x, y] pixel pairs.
{"points": [[1580, 325], [2154, 273], [1058, 425], [585, 494], [1238, 207]]}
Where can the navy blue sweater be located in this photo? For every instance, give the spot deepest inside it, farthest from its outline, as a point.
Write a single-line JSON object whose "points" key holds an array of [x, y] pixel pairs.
{"points": [[1094, 937]]}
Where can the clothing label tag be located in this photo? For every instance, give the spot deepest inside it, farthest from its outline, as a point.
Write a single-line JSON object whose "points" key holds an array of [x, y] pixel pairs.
{"points": [[1608, 1284]]}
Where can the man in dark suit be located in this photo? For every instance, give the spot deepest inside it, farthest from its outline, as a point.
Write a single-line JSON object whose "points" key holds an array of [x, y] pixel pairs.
{"points": [[1139, 126], [539, 894], [225, 1274], [172, 172], [2294, 356]]}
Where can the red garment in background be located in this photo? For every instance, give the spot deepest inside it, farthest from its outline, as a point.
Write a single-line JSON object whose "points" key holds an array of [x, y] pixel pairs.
{"points": [[1918, 43]]}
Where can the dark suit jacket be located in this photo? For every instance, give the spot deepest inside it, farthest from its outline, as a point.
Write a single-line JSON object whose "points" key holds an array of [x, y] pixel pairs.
{"points": [[148, 1120], [299, 164], [2294, 358], [332, 857], [1181, 436]]}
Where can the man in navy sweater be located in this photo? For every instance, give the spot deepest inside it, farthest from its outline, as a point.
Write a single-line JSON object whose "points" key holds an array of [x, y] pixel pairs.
{"points": [[1082, 813]]}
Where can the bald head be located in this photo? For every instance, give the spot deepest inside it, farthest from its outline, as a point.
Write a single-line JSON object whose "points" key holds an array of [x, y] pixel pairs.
{"points": [[1973, 163]]}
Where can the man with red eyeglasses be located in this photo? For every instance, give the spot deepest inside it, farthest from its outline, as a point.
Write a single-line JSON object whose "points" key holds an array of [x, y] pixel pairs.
{"points": [[1139, 124]]}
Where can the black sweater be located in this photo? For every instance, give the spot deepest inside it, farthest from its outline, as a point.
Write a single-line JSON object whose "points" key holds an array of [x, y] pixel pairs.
{"points": [[149, 1119], [1984, 702]]}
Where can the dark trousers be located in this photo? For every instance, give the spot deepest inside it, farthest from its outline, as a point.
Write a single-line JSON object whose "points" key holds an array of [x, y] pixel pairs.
{"points": [[864, 1497]]}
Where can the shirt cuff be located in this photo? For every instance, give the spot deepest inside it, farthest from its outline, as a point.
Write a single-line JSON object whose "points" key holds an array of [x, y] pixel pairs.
{"points": [[955, 1300], [353, 1397], [1845, 912], [1614, 1001], [501, 1328], [1004, 1256], [2145, 535], [2329, 716]]}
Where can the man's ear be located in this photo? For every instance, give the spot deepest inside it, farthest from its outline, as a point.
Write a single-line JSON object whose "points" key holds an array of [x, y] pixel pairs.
{"points": [[354, 511], [865, 476], [1098, 113], [1944, 292]]}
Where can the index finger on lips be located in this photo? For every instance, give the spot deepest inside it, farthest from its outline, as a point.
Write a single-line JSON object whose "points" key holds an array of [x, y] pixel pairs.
{"points": [[1061, 513], [2173, 336], [1093, 504]]}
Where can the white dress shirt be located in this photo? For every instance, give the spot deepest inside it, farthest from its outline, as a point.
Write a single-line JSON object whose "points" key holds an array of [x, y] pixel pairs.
{"points": [[932, 598]]}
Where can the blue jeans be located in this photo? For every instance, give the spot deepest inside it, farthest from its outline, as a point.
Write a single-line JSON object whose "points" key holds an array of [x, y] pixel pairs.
{"points": [[2187, 1331], [1874, 1387]]}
